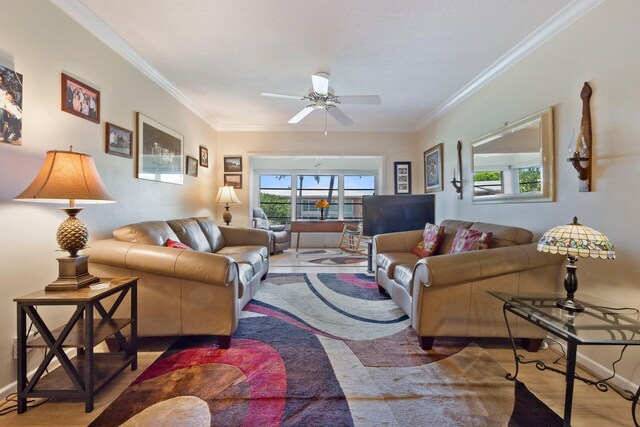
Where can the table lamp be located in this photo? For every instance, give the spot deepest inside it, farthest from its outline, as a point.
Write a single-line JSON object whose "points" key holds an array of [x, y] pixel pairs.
{"points": [[226, 195], [575, 240], [68, 176]]}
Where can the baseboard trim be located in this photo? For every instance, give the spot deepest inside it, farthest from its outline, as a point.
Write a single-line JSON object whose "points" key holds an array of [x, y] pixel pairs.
{"points": [[13, 386]]}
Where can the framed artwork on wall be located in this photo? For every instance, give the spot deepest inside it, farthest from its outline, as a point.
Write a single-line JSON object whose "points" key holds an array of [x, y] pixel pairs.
{"points": [[11, 111], [233, 179], [80, 99], [204, 156], [433, 169], [160, 152], [192, 166], [118, 141], [402, 177], [233, 163]]}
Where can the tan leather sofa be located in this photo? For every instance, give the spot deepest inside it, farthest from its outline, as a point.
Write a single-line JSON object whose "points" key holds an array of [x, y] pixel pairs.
{"points": [[182, 292], [445, 294]]}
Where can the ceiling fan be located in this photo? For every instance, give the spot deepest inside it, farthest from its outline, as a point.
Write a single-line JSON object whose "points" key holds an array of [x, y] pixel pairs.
{"points": [[323, 97]]}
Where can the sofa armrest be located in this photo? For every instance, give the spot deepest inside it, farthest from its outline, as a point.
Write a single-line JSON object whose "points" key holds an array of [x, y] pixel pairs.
{"points": [[443, 270], [241, 236], [202, 267], [402, 241]]}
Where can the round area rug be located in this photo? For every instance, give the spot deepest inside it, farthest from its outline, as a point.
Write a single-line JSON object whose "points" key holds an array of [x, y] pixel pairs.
{"points": [[331, 257]]}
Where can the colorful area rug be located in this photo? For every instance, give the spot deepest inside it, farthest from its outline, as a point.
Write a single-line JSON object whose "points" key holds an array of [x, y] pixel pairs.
{"points": [[331, 257], [325, 350]]}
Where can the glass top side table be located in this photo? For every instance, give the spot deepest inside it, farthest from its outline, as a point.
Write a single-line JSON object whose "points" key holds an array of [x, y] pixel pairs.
{"points": [[601, 323]]}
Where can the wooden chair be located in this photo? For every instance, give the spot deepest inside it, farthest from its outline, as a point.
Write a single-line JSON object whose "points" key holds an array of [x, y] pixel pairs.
{"points": [[351, 237]]}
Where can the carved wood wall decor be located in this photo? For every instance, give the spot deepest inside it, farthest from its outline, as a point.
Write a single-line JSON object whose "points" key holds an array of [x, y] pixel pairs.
{"points": [[457, 183], [581, 159]]}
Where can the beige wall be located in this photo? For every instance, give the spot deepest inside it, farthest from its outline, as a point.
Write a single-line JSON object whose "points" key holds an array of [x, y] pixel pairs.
{"points": [[40, 42], [601, 48], [391, 146]]}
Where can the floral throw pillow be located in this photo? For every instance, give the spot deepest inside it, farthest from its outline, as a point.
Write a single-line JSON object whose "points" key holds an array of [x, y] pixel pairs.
{"points": [[178, 245], [470, 240], [431, 239]]}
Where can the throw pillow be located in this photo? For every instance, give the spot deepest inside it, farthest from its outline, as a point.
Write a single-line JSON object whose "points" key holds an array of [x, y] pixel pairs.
{"points": [[431, 239], [470, 240], [178, 245]]}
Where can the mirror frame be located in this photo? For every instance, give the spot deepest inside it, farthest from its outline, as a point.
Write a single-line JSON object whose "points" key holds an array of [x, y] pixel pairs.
{"points": [[547, 165]]}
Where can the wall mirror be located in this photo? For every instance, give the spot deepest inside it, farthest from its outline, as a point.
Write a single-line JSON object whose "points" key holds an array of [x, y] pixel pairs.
{"points": [[515, 163]]}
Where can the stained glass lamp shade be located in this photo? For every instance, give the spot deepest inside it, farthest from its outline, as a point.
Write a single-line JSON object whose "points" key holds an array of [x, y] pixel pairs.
{"points": [[574, 240]]}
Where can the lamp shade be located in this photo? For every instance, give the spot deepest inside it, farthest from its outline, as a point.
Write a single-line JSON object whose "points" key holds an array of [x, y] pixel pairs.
{"points": [[66, 176], [576, 240], [227, 195]]}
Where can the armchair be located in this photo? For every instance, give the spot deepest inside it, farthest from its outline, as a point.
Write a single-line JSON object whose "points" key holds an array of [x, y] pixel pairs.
{"points": [[279, 235]]}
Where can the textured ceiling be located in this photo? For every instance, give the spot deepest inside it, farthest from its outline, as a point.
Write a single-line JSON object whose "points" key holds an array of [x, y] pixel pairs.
{"points": [[415, 54]]}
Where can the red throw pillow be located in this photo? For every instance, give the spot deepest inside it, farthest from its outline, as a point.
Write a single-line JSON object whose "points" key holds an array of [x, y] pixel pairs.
{"points": [[470, 240], [178, 245], [431, 239]]}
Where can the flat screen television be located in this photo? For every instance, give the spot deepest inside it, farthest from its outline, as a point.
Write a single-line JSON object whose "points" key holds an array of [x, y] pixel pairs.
{"points": [[388, 214]]}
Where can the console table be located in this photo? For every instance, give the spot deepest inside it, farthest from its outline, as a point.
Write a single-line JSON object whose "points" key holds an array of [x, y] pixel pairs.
{"points": [[87, 372], [600, 324], [316, 226]]}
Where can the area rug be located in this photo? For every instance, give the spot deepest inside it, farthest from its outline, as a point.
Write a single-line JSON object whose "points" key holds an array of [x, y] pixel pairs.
{"points": [[325, 349], [331, 257]]}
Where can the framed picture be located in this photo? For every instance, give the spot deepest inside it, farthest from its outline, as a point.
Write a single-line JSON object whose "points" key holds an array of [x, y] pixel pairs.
{"points": [[11, 110], [233, 164], [233, 179], [79, 99], [119, 141], [160, 152], [192, 166], [402, 177], [433, 169], [204, 156]]}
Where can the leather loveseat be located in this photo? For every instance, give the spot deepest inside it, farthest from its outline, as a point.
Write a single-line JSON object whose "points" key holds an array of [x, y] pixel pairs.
{"points": [[181, 291], [445, 294]]}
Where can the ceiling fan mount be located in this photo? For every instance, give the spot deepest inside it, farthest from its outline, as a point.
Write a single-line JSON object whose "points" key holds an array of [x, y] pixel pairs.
{"points": [[323, 97]]}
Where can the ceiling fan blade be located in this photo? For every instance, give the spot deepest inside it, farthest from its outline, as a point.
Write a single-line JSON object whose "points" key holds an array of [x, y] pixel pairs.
{"points": [[340, 116], [320, 83], [302, 114], [280, 95], [360, 99]]}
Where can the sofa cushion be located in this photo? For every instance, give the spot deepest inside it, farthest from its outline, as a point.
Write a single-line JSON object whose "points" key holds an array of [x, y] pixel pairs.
{"points": [[190, 233], [147, 233], [251, 255], [504, 235], [431, 239], [245, 274], [389, 260], [403, 274], [451, 227], [211, 232], [174, 244], [470, 240]]}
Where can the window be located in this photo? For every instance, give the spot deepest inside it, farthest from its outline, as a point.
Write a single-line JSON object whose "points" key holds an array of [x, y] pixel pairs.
{"points": [[487, 183], [312, 188], [529, 180], [354, 188], [284, 196], [275, 198]]}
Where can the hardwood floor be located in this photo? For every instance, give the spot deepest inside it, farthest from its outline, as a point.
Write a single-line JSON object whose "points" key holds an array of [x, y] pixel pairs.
{"points": [[590, 407]]}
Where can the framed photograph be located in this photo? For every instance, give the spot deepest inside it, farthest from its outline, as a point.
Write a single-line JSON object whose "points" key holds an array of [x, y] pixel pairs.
{"points": [[160, 152], [79, 99], [402, 177], [433, 169], [233, 164], [204, 156], [192, 166], [119, 141], [233, 179], [11, 109]]}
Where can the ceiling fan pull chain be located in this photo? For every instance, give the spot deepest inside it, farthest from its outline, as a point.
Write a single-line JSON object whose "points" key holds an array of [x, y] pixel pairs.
{"points": [[325, 122]]}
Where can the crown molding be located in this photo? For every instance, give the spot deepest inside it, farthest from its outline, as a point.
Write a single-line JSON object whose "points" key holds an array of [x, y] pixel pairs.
{"points": [[85, 17], [558, 22]]}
